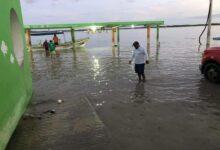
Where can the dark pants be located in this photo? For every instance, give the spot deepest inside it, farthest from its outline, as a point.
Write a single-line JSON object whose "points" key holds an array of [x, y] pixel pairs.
{"points": [[139, 68]]}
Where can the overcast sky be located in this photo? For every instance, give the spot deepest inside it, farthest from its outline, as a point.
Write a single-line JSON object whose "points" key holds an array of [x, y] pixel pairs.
{"points": [[75, 11]]}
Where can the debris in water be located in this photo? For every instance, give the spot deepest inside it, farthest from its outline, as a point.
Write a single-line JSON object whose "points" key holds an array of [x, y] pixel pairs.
{"points": [[30, 116], [52, 111], [59, 101]]}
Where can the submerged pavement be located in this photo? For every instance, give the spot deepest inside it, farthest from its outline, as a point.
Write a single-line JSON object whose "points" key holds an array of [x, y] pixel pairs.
{"points": [[105, 108]]}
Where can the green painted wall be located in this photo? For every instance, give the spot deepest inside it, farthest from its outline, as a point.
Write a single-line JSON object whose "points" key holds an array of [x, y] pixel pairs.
{"points": [[15, 80]]}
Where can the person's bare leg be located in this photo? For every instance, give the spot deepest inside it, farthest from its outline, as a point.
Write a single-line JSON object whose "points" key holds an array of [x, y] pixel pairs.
{"points": [[143, 76], [139, 77]]}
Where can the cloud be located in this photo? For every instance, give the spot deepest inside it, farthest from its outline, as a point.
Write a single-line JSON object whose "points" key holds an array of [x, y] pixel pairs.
{"points": [[130, 1], [61, 11]]}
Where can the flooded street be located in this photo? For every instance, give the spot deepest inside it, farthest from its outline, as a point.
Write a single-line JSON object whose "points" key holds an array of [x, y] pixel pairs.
{"points": [[105, 108]]}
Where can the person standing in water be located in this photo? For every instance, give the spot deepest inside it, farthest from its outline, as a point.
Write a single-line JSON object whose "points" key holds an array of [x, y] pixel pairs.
{"points": [[140, 57], [55, 40], [52, 48], [46, 47]]}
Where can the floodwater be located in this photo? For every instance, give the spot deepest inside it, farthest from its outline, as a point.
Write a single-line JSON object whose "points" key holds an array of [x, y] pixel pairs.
{"points": [[105, 108]]}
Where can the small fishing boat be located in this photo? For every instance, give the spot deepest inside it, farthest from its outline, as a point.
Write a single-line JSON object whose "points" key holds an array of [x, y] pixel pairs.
{"points": [[41, 33], [78, 44], [81, 42], [216, 38]]}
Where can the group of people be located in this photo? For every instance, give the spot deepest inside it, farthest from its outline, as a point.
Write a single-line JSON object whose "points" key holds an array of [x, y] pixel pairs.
{"points": [[50, 47], [140, 56]]}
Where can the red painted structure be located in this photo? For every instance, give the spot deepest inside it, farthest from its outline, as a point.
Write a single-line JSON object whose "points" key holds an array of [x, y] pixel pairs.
{"points": [[210, 65]]}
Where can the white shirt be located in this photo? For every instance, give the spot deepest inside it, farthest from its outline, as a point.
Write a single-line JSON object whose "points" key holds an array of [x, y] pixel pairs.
{"points": [[139, 56]]}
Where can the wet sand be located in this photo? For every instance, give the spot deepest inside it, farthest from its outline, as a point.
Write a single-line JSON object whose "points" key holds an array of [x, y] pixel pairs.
{"points": [[104, 106]]}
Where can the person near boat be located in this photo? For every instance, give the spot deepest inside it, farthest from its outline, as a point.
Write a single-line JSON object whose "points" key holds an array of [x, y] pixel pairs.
{"points": [[56, 42], [55, 39], [52, 49], [140, 57], [46, 47]]}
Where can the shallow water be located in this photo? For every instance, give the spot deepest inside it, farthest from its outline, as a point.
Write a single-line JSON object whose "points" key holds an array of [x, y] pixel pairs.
{"points": [[175, 109]]}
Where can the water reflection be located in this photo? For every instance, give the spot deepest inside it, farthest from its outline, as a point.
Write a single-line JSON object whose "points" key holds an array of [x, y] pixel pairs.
{"points": [[100, 104], [113, 51], [157, 52], [140, 95], [148, 49], [139, 90], [56, 67], [74, 55], [32, 60], [96, 67], [199, 48], [209, 92], [116, 49]]}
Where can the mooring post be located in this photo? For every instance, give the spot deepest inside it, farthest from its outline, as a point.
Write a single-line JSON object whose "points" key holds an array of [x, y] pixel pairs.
{"points": [[73, 36], [118, 35], [209, 25], [28, 39], [64, 38], [158, 35], [148, 35]]}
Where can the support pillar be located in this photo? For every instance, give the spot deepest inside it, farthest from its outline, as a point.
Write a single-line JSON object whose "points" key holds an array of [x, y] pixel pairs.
{"points": [[158, 36], [148, 35], [113, 36], [64, 38], [28, 39], [73, 36], [118, 36], [209, 26]]}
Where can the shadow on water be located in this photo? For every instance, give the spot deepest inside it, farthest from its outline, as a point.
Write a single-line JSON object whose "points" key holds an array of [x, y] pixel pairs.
{"points": [[116, 49], [139, 93], [157, 52]]}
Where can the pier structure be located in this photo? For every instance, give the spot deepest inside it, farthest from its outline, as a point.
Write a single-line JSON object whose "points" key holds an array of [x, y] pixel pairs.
{"points": [[114, 26]]}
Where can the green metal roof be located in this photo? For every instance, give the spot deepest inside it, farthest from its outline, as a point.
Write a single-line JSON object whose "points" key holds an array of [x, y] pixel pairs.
{"points": [[102, 24]]}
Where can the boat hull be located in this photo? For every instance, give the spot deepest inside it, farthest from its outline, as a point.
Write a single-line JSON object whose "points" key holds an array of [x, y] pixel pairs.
{"points": [[15, 76]]}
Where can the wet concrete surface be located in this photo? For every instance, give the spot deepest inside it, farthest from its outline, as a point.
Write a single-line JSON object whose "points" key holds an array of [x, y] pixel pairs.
{"points": [[106, 108]]}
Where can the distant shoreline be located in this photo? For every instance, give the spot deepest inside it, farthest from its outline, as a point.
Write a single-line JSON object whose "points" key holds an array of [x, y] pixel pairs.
{"points": [[175, 26], [187, 25]]}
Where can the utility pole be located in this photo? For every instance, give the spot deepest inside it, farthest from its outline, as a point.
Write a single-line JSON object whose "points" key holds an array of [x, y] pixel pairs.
{"points": [[209, 25]]}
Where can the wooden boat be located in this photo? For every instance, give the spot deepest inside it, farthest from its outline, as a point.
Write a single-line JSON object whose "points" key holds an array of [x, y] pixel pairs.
{"points": [[81, 42], [216, 38], [78, 44]]}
